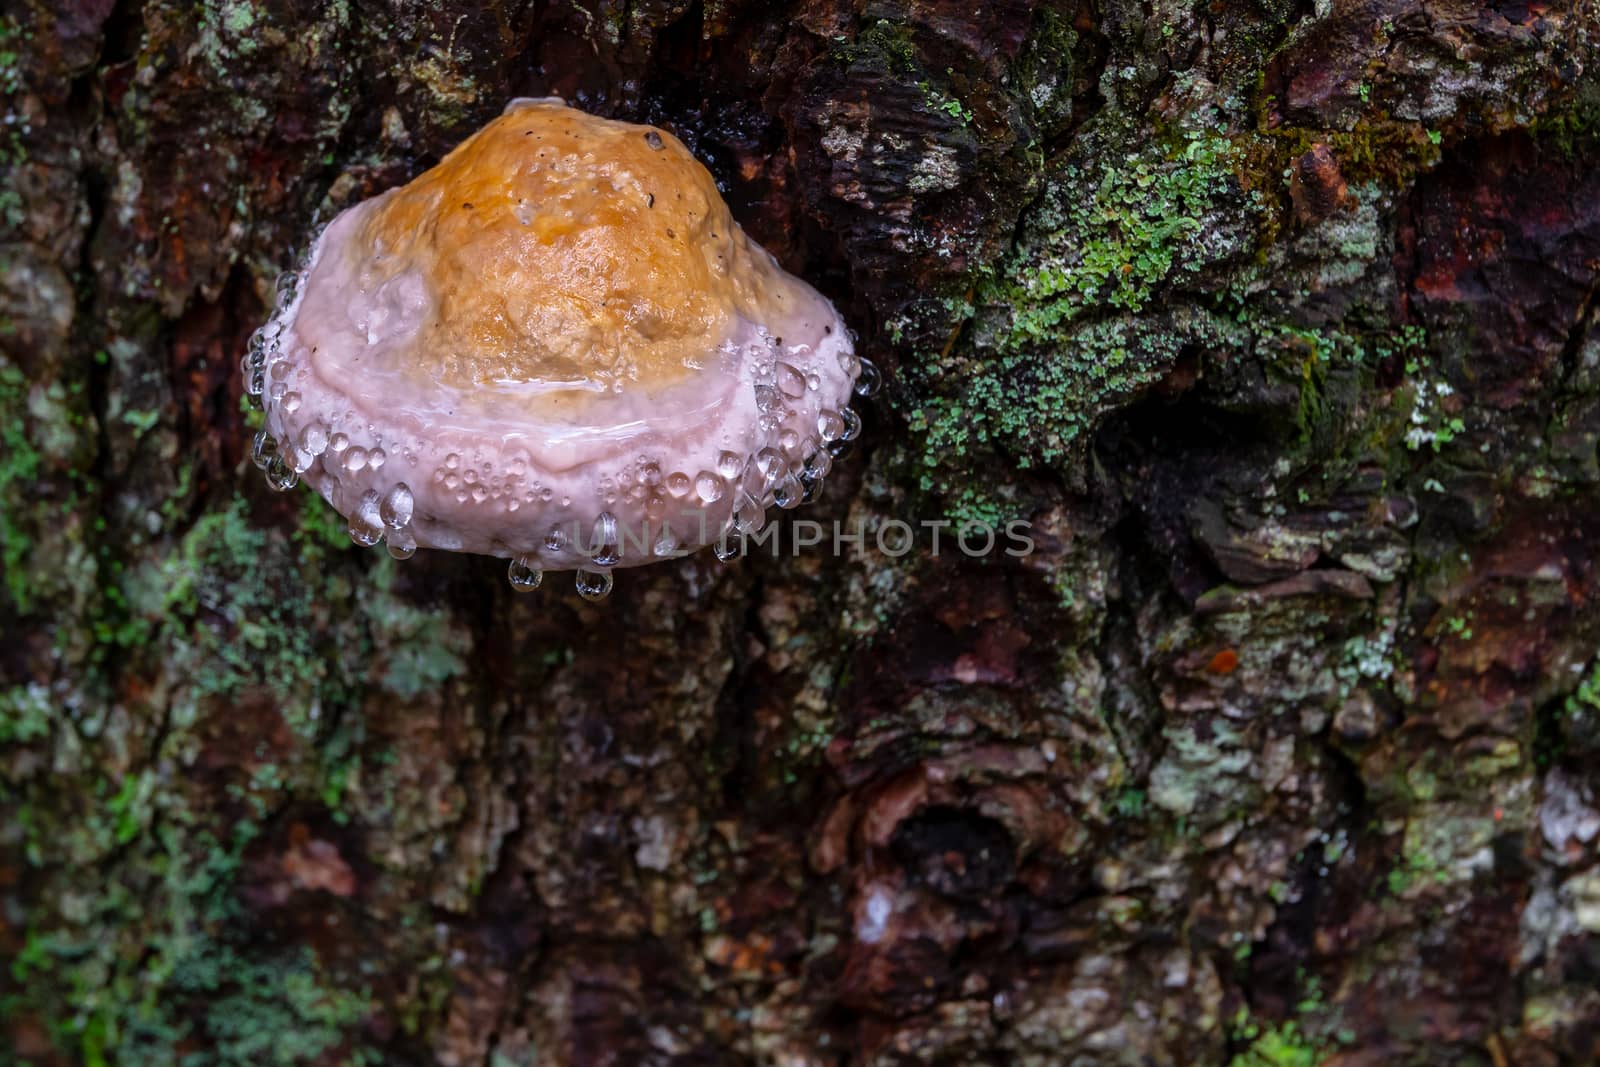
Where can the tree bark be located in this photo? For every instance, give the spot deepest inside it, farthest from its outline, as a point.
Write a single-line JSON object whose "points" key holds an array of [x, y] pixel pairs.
{"points": [[1273, 319]]}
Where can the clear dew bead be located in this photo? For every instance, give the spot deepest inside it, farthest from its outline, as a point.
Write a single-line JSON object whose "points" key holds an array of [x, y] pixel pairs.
{"points": [[852, 424], [787, 493], [709, 487], [790, 381], [678, 484], [314, 439], [555, 540], [771, 464], [603, 544], [401, 544], [729, 465], [666, 542], [354, 459], [262, 448], [789, 441], [768, 400], [650, 474], [338, 443], [849, 363], [366, 528], [377, 458], [748, 514], [524, 575], [301, 460], [593, 585], [728, 547], [255, 382], [813, 381], [280, 476], [870, 380], [291, 401], [830, 425], [816, 465], [396, 507]]}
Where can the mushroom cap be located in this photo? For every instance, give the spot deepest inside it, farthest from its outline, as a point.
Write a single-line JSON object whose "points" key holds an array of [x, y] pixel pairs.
{"points": [[556, 345]]}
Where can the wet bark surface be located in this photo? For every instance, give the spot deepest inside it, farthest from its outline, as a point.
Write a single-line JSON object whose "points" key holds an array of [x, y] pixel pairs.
{"points": [[1273, 319]]}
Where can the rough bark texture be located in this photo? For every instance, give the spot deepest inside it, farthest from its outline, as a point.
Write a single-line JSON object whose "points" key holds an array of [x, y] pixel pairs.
{"points": [[1274, 317]]}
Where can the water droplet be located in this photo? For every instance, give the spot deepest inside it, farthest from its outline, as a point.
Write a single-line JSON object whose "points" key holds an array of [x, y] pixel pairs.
{"points": [[727, 547], [366, 528], [678, 484], [314, 439], [870, 380], [852, 424], [603, 542], [593, 585], [401, 544], [524, 574], [452, 461], [377, 458], [729, 465], [789, 441], [816, 465], [255, 382], [790, 381], [830, 425], [768, 400], [653, 139], [840, 448], [813, 381], [396, 508], [262, 449], [787, 493], [300, 459], [849, 363], [748, 515], [354, 459], [556, 539], [666, 542], [291, 402], [649, 474], [280, 476], [338, 443], [772, 465], [708, 487]]}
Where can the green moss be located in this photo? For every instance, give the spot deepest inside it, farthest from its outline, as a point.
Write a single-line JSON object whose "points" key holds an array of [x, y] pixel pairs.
{"points": [[19, 471]]}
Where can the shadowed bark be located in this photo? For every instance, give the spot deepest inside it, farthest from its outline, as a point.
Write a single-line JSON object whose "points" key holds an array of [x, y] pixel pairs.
{"points": [[1273, 319]]}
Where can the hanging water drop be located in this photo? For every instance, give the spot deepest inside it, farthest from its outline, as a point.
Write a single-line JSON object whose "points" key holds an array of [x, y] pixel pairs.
{"points": [[366, 528], [280, 476], [852, 424], [748, 515], [666, 542], [603, 543], [402, 545], [314, 439], [787, 493], [727, 547], [729, 465], [262, 449], [524, 574], [397, 505], [870, 380], [830, 425], [593, 585]]}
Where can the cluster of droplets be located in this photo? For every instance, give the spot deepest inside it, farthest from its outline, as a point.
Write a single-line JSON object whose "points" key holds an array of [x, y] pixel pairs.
{"points": [[784, 476], [786, 472]]}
